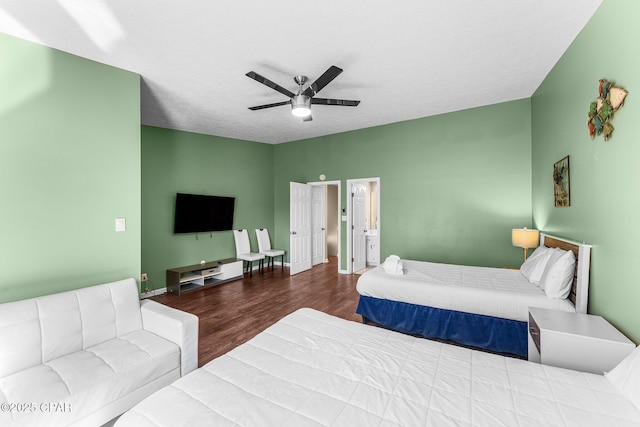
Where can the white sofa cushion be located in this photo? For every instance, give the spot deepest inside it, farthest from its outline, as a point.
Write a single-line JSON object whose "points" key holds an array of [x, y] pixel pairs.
{"points": [[37, 330], [176, 326], [61, 325], [89, 378], [108, 311], [20, 339], [86, 353]]}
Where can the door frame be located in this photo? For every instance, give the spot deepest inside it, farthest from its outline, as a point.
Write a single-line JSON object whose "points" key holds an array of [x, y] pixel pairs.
{"points": [[321, 190], [338, 184], [350, 183]]}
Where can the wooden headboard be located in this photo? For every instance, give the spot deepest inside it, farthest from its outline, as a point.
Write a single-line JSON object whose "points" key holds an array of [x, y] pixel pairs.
{"points": [[579, 294]]}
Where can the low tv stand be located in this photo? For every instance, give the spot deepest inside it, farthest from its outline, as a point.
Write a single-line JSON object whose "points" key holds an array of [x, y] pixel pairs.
{"points": [[181, 280]]}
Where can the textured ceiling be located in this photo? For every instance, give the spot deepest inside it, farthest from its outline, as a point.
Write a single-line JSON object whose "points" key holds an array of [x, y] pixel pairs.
{"points": [[403, 60]]}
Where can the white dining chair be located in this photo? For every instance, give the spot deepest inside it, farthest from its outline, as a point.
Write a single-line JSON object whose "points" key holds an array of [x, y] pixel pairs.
{"points": [[243, 251], [264, 247]]}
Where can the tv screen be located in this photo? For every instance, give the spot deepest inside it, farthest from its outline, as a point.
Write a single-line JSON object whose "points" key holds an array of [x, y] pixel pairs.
{"points": [[196, 213]]}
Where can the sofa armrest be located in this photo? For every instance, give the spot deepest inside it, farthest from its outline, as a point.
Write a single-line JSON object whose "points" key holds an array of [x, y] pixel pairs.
{"points": [[176, 326]]}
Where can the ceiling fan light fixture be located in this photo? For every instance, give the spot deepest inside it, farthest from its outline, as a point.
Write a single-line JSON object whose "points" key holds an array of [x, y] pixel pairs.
{"points": [[301, 102], [301, 105]]}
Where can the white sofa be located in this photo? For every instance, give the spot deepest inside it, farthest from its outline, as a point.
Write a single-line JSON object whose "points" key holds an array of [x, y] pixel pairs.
{"points": [[84, 357]]}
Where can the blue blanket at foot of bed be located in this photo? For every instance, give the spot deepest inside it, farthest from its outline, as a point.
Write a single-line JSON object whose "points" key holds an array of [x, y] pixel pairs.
{"points": [[476, 330]]}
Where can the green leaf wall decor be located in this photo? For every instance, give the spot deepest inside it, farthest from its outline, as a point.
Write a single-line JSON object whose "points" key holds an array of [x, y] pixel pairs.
{"points": [[601, 111]]}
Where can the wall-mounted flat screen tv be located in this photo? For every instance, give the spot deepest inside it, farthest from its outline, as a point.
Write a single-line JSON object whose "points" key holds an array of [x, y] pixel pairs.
{"points": [[196, 212]]}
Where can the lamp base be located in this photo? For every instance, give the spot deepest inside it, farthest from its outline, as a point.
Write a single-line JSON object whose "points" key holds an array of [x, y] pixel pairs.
{"points": [[525, 253]]}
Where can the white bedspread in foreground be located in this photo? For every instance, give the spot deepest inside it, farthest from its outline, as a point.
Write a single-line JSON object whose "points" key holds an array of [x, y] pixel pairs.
{"points": [[312, 369], [497, 292]]}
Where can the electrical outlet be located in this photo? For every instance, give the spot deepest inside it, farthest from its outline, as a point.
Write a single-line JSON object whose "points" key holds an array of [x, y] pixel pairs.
{"points": [[144, 277]]}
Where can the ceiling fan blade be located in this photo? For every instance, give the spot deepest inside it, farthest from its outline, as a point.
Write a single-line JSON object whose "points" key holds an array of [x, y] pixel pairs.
{"points": [[275, 104], [322, 81], [307, 118], [265, 81], [327, 101]]}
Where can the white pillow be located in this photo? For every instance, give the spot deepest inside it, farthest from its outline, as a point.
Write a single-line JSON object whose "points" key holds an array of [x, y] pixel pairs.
{"points": [[534, 266], [558, 274], [626, 377]]}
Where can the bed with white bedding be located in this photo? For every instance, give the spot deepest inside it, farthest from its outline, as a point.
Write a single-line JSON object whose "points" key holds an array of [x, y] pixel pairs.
{"points": [[313, 369], [476, 306]]}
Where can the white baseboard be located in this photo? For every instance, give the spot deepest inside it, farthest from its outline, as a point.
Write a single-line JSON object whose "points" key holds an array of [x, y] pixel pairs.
{"points": [[153, 293], [277, 263], [286, 264]]}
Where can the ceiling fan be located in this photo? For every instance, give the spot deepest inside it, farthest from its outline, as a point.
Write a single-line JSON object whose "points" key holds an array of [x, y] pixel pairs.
{"points": [[301, 102]]}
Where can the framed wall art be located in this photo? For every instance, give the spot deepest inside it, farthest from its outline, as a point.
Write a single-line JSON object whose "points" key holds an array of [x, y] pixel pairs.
{"points": [[561, 190]]}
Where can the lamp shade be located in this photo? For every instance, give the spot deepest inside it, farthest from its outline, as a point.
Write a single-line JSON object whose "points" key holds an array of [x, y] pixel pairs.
{"points": [[525, 238], [301, 106]]}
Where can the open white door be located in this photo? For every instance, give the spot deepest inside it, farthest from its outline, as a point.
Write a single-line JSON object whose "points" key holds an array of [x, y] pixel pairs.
{"points": [[359, 192], [318, 224], [300, 227]]}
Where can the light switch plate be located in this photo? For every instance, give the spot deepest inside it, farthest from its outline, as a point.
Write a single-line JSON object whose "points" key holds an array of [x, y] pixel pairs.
{"points": [[121, 224]]}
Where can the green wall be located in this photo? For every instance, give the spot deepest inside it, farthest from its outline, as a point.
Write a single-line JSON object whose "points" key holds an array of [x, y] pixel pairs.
{"points": [[69, 165], [452, 186], [183, 162], [604, 175]]}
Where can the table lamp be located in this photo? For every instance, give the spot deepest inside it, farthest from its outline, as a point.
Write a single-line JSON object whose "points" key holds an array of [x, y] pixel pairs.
{"points": [[524, 238]]}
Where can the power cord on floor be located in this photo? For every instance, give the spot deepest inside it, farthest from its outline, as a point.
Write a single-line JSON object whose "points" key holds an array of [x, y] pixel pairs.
{"points": [[147, 289]]}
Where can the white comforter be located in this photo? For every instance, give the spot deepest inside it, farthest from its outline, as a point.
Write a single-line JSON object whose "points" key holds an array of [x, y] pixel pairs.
{"points": [[497, 292], [312, 369]]}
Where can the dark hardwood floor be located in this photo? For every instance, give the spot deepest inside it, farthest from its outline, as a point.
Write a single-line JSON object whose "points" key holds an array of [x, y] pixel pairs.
{"points": [[232, 313]]}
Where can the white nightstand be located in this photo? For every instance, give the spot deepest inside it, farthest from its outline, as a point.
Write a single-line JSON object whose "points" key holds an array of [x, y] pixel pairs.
{"points": [[582, 342]]}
